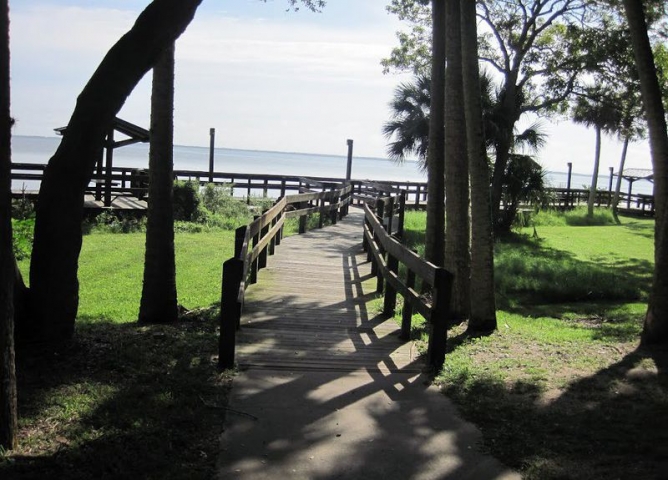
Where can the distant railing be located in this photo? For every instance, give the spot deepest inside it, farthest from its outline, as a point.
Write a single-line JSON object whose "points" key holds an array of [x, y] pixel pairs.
{"points": [[386, 253], [127, 181], [255, 241]]}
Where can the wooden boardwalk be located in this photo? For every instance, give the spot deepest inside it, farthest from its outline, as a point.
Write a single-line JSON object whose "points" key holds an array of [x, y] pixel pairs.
{"points": [[308, 310]]}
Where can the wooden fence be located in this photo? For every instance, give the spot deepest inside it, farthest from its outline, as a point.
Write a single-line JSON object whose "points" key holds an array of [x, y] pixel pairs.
{"points": [[255, 241], [126, 181], [386, 253]]}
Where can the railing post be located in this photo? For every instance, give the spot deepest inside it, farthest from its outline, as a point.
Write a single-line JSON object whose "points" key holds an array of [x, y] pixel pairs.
{"points": [[262, 257], [438, 324], [402, 212], [407, 312], [390, 301], [254, 263], [230, 312], [272, 242], [390, 215], [302, 219], [239, 236]]}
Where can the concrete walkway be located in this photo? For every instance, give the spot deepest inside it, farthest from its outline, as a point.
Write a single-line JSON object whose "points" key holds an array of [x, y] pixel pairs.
{"points": [[326, 389]]}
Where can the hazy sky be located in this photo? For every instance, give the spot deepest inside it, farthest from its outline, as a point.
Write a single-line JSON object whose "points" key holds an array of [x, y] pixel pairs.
{"points": [[266, 79]]}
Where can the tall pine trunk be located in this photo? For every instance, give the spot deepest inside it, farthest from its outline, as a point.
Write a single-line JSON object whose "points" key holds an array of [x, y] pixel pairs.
{"points": [[8, 411], [435, 229], [54, 262], [482, 317], [594, 177], [158, 299], [655, 329], [457, 234]]}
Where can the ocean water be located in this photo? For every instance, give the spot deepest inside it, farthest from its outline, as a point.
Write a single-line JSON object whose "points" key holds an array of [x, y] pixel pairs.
{"points": [[40, 149]]}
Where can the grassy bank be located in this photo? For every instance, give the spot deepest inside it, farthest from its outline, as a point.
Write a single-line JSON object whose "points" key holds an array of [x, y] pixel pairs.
{"points": [[124, 400], [562, 389]]}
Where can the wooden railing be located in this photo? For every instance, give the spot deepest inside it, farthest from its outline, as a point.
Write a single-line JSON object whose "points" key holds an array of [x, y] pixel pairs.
{"points": [[386, 253], [255, 241]]}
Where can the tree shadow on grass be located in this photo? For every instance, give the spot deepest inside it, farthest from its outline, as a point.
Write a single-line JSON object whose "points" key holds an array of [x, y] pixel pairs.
{"points": [[612, 424], [122, 401], [531, 274]]}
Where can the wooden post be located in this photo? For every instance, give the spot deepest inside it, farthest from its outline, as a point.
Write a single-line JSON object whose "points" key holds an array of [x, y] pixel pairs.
{"points": [[407, 312], [349, 166], [379, 275], [417, 196], [230, 312], [402, 211], [272, 242], [212, 146], [239, 236], [568, 185], [302, 219], [108, 164], [390, 215], [254, 263], [439, 320], [262, 257], [390, 301]]}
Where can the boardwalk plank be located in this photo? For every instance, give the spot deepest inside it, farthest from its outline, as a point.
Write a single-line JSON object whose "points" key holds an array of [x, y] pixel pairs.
{"points": [[308, 310]]}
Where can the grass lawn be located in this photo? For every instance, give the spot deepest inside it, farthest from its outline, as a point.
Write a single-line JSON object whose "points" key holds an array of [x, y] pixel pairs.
{"points": [[123, 400], [562, 389]]}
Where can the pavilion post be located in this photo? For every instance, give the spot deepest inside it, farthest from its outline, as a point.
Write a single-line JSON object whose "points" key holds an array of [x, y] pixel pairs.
{"points": [[349, 167], [108, 165], [568, 185], [212, 146]]}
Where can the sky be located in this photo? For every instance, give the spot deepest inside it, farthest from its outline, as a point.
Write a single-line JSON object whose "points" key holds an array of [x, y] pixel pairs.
{"points": [[265, 78]]}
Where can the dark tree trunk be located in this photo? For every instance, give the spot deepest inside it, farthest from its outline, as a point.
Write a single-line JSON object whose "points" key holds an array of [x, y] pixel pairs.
{"points": [[158, 299], [655, 330], [435, 229], [457, 234], [8, 412], [482, 318], [54, 263]]}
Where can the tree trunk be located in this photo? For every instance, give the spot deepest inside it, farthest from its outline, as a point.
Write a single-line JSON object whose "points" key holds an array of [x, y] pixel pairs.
{"points": [[8, 411], [158, 299], [618, 186], [457, 234], [54, 262], [594, 176], [482, 317], [435, 229], [655, 329]]}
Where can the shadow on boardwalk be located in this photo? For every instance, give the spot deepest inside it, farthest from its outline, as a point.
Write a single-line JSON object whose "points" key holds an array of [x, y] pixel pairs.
{"points": [[327, 389]]}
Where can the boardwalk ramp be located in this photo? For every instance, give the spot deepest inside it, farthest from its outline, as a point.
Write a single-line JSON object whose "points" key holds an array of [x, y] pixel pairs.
{"points": [[326, 389]]}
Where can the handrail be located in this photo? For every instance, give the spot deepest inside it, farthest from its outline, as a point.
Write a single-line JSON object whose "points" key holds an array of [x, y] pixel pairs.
{"points": [[253, 242], [386, 252]]}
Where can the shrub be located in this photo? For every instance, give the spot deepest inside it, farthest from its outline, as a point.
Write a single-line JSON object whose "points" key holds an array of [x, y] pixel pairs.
{"points": [[186, 200], [22, 237]]}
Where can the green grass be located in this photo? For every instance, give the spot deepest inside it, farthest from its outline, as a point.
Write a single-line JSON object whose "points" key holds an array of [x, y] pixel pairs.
{"points": [[124, 400], [111, 267], [562, 389]]}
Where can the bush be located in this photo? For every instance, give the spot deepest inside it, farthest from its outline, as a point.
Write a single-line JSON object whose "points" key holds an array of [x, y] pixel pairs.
{"points": [[114, 222], [186, 200], [22, 237]]}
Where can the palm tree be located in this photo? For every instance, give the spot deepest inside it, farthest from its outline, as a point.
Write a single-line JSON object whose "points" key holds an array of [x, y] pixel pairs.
{"points": [[482, 315], [655, 328], [457, 226], [435, 229], [596, 111], [410, 121], [158, 299], [8, 412]]}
